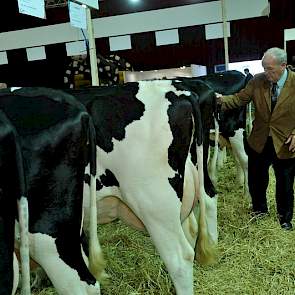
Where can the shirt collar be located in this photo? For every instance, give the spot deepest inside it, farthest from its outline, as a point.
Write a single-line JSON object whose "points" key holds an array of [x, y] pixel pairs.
{"points": [[283, 79]]}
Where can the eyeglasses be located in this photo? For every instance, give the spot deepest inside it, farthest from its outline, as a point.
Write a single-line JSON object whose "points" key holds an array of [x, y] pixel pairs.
{"points": [[270, 70], [274, 69]]}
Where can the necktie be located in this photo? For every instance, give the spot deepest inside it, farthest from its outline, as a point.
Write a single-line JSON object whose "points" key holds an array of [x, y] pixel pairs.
{"points": [[274, 95]]}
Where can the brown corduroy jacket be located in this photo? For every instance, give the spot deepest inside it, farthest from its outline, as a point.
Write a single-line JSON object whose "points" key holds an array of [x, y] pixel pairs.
{"points": [[279, 124]]}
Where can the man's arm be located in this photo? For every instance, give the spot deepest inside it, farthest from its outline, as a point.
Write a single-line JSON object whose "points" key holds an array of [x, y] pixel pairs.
{"points": [[238, 99]]}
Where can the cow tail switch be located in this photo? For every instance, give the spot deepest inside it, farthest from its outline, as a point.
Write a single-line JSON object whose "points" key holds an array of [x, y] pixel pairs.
{"points": [[96, 260]]}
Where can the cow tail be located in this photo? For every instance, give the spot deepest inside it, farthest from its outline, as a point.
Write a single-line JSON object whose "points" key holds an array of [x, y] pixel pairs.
{"points": [[23, 215], [96, 260], [205, 250]]}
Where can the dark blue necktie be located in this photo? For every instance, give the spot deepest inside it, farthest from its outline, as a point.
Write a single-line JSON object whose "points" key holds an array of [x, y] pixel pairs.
{"points": [[274, 95]]}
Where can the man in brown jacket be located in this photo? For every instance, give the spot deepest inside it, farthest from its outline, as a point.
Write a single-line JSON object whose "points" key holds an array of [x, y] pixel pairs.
{"points": [[272, 140]]}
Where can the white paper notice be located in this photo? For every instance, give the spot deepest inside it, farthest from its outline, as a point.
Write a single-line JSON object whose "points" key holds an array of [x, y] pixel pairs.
{"points": [[3, 58], [76, 48], [36, 53], [77, 15], [32, 7], [91, 3]]}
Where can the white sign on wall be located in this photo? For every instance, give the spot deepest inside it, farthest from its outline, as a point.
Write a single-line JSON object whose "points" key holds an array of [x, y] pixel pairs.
{"points": [[120, 43], [76, 48], [36, 53], [167, 37], [91, 3], [32, 7], [77, 15], [215, 31], [3, 58]]}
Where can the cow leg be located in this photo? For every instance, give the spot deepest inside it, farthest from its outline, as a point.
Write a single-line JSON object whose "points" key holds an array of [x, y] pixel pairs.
{"points": [[237, 145], [40, 278], [65, 279], [161, 218], [221, 159], [239, 171], [176, 253]]}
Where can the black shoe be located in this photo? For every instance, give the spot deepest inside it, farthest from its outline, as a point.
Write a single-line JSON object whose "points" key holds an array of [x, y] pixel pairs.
{"points": [[287, 226]]}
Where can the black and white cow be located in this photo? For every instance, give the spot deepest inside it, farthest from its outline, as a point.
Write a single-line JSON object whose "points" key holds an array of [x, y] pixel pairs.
{"points": [[13, 204], [232, 123], [54, 130], [208, 108], [147, 173]]}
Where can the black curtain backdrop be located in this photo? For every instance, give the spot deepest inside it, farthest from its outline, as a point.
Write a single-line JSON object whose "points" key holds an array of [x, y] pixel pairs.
{"points": [[249, 39]]}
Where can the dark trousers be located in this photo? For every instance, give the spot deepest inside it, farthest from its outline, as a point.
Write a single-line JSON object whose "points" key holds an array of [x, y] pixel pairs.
{"points": [[258, 180]]}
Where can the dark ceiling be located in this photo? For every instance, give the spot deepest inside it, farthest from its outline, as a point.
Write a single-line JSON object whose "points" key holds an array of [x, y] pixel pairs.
{"points": [[249, 39], [60, 14]]}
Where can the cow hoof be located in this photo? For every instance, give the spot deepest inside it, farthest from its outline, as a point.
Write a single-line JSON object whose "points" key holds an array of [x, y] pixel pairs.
{"points": [[40, 279]]}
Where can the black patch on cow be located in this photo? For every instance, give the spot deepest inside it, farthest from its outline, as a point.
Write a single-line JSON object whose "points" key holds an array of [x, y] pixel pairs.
{"points": [[10, 191], [109, 179], [112, 110], [180, 121], [85, 244], [232, 120], [87, 178], [227, 82], [54, 162], [99, 185], [41, 108], [208, 108]]}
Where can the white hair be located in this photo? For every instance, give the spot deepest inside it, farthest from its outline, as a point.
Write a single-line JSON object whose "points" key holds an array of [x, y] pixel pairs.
{"points": [[279, 54]]}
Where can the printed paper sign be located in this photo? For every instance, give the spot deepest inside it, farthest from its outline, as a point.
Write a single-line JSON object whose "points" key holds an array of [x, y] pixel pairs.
{"points": [[32, 7], [91, 3], [77, 15]]}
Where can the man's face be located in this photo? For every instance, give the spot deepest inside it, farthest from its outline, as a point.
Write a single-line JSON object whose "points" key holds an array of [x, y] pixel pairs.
{"points": [[273, 70]]}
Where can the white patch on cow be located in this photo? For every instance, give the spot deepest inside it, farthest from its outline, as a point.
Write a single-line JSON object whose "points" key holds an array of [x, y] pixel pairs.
{"points": [[15, 274], [14, 88], [23, 214], [241, 157], [65, 279]]}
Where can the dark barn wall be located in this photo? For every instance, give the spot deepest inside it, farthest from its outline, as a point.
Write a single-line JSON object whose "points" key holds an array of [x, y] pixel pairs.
{"points": [[249, 39], [47, 73]]}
